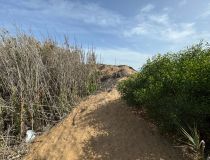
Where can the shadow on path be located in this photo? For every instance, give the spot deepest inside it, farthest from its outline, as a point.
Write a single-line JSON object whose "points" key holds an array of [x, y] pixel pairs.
{"points": [[123, 136]]}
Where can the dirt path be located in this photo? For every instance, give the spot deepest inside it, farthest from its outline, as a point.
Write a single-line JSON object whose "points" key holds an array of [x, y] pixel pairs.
{"points": [[102, 127]]}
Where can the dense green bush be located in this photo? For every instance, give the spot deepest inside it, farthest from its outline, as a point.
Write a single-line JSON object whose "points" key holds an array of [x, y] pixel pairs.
{"points": [[174, 88]]}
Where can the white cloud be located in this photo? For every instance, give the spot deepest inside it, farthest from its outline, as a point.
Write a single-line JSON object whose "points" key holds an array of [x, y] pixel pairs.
{"points": [[179, 33], [147, 8], [161, 19], [138, 30], [120, 56], [161, 27], [90, 13]]}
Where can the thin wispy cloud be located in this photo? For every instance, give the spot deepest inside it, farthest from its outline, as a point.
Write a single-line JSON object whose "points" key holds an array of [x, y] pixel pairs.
{"points": [[179, 32], [160, 19], [90, 13], [148, 8], [161, 27], [140, 29]]}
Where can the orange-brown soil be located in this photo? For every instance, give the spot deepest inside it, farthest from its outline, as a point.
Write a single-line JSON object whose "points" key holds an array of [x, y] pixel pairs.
{"points": [[102, 127]]}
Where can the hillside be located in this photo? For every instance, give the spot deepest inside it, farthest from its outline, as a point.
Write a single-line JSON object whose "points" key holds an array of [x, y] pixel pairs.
{"points": [[103, 127]]}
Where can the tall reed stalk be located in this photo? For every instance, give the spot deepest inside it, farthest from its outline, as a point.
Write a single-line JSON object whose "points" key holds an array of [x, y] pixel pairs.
{"points": [[40, 81]]}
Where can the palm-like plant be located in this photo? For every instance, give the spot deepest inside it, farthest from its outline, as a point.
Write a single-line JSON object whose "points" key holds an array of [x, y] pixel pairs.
{"points": [[193, 142]]}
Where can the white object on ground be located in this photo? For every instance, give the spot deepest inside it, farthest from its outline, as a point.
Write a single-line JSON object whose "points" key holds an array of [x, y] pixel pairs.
{"points": [[30, 135]]}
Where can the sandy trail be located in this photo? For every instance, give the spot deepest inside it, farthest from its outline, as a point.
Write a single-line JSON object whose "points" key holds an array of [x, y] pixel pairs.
{"points": [[102, 127]]}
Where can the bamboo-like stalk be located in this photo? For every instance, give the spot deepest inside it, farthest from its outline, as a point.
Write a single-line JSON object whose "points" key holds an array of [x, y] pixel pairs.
{"points": [[22, 122]]}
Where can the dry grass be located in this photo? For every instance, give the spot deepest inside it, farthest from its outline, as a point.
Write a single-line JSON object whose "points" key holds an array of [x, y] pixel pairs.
{"points": [[39, 83]]}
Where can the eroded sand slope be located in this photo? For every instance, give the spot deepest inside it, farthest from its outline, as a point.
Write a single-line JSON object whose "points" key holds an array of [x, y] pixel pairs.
{"points": [[102, 127]]}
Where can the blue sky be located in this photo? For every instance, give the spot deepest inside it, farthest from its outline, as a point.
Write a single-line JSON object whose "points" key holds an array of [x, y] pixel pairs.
{"points": [[121, 31]]}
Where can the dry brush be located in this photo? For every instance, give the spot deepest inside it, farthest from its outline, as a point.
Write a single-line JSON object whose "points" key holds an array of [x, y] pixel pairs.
{"points": [[40, 82]]}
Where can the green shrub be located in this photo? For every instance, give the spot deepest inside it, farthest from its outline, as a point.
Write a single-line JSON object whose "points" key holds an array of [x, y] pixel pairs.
{"points": [[174, 88]]}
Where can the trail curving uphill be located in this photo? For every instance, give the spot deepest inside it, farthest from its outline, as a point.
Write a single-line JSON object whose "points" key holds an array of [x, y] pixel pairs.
{"points": [[102, 127]]}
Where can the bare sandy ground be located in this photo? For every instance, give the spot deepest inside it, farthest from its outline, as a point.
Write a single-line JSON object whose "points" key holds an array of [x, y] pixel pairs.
{"points": [[102, 128]]}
